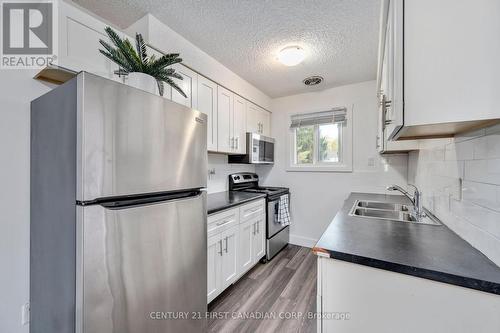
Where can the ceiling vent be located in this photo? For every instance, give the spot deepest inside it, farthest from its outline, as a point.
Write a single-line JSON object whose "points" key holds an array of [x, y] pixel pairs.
{"points": [[313, 80]]}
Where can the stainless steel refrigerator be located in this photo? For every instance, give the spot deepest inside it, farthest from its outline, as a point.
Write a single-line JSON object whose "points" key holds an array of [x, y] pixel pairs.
{"points": [[118, 211]]}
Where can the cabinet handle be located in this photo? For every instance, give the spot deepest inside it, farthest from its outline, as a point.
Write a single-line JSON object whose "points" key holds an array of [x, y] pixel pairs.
{"points": [[220, 244], [253, 231], [231, 142], [237, 142], [226, 245], [258, 227], [377, 142], [222, 223]]}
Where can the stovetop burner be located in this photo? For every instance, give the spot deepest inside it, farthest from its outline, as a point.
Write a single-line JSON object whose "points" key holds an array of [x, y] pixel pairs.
{"points": [[249, 182]]}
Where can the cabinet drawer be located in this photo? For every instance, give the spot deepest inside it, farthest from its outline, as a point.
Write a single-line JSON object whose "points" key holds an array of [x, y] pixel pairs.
{"points": [[222, 221], [252, 210]]}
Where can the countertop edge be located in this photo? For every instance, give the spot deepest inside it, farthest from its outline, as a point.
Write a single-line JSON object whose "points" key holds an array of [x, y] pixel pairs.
{"points": [[462, 281], [222, 208]]}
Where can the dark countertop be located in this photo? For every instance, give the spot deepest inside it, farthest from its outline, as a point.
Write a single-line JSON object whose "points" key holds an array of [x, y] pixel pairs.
{"points": [[426, 251], [224, 200]]}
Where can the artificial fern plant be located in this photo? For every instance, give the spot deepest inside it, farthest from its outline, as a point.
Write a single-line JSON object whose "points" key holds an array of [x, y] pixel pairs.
{"points": [[137, 60]]}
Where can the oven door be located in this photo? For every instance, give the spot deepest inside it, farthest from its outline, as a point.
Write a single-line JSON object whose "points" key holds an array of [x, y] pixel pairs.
{"points": [[273, 226]]}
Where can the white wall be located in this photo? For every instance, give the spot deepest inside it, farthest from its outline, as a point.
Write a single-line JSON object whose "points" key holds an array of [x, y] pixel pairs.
{"points": [[220, 181], [472, 209], [167, 40], [17, 89], [317, 196]]}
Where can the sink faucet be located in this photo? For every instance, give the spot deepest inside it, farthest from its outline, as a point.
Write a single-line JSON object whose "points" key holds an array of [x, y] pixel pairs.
{"points": [[416, 199]]}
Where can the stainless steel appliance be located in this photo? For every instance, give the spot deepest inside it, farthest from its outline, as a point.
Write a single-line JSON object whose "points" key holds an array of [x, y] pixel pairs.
{"points": [[277, 236], [260, 150], [118, 211]]}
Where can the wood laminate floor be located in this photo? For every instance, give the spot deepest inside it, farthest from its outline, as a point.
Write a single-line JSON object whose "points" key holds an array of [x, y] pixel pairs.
{"points": [[284, 287]]}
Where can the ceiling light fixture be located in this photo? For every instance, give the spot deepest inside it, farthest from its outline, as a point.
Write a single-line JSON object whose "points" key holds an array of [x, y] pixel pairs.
{"points": [[291, 56]]}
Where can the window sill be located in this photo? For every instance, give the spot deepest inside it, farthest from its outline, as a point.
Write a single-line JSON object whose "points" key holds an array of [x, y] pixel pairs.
{"points": [[320, 168]]}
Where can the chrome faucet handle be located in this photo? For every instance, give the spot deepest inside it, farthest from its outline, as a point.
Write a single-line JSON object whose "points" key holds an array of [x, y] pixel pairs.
{"points": [[417, 202]]}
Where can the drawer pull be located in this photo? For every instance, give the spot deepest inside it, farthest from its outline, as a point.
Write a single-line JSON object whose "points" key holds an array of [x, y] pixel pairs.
{"points": [[251, 211], [222, 223]]}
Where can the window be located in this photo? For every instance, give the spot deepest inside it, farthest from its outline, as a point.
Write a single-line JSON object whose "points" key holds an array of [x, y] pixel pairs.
{"points": [[320, 141]]}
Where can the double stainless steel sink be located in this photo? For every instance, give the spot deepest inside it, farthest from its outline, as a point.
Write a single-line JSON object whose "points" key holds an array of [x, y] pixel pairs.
{"points": [[390, 211]]}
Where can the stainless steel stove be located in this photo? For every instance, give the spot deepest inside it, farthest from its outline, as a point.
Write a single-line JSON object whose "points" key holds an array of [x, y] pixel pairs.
{"points": [[277, 236]]}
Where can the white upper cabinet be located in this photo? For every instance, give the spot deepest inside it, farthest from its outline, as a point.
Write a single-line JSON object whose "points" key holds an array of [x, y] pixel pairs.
{"points": [[239, 125], [79, 35], [231, 127], [448, 55], [225, 140], [207, 103], [189, 84], [265, 120], [258, 120]]}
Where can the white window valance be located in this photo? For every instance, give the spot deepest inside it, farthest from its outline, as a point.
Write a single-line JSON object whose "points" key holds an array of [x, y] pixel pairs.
{"points": [[335, 115]]}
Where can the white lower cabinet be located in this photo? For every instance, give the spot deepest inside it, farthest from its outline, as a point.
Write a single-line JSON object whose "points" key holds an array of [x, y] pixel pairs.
{"points": [[259, 239], [236, 242], [349, 299], [229, 256], [214, 251], [245, 248]]}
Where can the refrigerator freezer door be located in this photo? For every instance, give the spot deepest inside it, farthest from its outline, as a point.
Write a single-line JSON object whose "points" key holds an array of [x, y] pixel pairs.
{"points": [[140, 268], [132, 142]]}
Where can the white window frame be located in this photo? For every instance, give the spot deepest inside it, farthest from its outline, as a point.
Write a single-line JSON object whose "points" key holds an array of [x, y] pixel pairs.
{"points": [[345, 150]]}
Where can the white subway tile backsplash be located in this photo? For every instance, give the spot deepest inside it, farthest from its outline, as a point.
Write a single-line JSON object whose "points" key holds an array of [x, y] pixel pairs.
{"points": [[219, 182], [487, 147], [459, 151], [485, 219], [481, 194], [483, 171], [463, 188]]}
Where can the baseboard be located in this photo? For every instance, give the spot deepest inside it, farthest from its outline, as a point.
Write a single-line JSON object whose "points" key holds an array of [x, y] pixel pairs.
{"points": [[302, 241]]}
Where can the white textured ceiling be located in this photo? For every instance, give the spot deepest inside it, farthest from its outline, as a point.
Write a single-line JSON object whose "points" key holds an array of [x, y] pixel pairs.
{"points": [[339, 36]]}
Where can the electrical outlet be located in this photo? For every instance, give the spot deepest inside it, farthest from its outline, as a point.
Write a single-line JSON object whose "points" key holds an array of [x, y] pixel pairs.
{"points": [[25, 314]]}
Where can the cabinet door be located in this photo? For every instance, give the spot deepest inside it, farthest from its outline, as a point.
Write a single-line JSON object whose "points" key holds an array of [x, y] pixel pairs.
{"points": [[394, 73], [253, 118], [189, 85], [452, 66], [265, 121], [245, 254], [229, 257], [259, 239], [239, 125], [224, 111], [79, 35], [207, 103], [214, 255]]}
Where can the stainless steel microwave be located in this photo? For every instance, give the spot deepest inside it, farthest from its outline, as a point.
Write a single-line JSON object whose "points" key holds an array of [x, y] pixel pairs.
{"points": [[260, 150]]}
